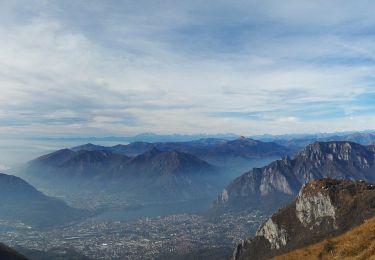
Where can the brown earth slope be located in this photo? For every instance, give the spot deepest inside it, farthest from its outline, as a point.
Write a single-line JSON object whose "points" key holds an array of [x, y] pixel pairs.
{"points": [[358, 243]]}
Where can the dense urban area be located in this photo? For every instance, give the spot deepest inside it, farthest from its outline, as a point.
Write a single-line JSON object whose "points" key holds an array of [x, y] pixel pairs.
{"points": [[145, 237]]}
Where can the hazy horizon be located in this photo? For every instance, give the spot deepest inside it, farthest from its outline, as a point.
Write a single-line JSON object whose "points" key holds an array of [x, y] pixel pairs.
{"points": [[16, 151], [99, 68]]}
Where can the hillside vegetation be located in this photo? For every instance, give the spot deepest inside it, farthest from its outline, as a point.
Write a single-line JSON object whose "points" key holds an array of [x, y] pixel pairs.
{"points": [[358, 243]]}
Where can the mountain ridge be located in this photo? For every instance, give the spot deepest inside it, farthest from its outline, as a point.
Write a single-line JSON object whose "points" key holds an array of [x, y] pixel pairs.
{"points": [[242, 147], [22, 202], [323, 209], [282, 179], [168, 174]]}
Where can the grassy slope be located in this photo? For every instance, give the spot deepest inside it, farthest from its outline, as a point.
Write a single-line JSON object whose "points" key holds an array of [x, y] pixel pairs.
{"points": [[358, 243]]}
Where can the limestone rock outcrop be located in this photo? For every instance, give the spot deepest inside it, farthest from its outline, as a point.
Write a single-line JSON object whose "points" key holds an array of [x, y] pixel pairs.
{"points": [[322, 209]]}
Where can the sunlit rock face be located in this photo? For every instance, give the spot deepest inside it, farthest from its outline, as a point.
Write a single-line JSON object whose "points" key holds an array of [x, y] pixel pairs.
{"points": [[275, 235], [312, 208], [322, 208]]}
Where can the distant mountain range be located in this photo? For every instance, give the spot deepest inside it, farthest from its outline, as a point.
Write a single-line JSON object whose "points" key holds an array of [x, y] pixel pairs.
{"points": [[277, 183], [175, 169], [185, 170], [204, 148], [22, 202], [109, 164], [322, 209], [299, 141], [168, 174], [237, 156]]}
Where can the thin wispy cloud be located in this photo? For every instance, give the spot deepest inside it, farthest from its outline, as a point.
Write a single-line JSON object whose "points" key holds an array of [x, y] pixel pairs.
{"points": [[124, 67]]}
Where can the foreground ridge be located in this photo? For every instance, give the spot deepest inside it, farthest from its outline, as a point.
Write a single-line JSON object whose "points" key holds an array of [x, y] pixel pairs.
{"points": [[323, 209], [357, 243]]}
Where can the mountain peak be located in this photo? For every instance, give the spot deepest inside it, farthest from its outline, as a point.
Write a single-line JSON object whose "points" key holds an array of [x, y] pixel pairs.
{"points": [[88, 147], [150, 153], [244, 139], [55, 158], [279, 181], [334, 150]]}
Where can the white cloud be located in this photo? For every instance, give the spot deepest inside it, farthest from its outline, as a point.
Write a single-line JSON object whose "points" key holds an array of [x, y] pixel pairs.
{"points": [[90, 69]]}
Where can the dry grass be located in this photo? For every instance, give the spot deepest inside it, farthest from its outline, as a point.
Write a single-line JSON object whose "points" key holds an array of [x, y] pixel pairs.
{"points": [[358, 243]]}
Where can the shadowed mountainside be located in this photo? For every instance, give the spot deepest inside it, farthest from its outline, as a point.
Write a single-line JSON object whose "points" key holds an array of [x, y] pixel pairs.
{"points": [[164, 174], [235, 156], [59, 253], [8, 253], [21, 201], [277, 183]]}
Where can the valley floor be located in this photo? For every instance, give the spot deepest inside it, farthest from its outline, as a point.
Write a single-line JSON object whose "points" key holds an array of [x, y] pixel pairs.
{"points": [[145, 238]]}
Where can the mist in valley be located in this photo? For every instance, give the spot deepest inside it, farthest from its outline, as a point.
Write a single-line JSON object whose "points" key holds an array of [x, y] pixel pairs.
{"points": [[113, 199]]}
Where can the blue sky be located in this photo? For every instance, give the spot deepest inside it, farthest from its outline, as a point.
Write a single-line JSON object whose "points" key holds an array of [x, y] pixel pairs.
{"points": [[97, 68]]}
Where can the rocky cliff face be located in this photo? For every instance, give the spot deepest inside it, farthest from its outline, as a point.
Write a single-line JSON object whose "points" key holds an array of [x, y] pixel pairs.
{"points": [[280, 181], [276, 235], [314, 207], [322, 209]]}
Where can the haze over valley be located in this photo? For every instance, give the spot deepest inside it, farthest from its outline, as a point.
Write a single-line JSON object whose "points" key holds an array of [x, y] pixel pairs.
{"points": [[179, 130]]}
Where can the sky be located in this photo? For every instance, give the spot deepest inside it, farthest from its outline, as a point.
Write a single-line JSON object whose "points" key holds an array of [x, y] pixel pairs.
{"points": [[101, 68]]}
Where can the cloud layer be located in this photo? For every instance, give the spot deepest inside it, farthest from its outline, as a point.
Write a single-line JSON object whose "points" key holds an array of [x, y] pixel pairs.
{"points": [[124, 67]]}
